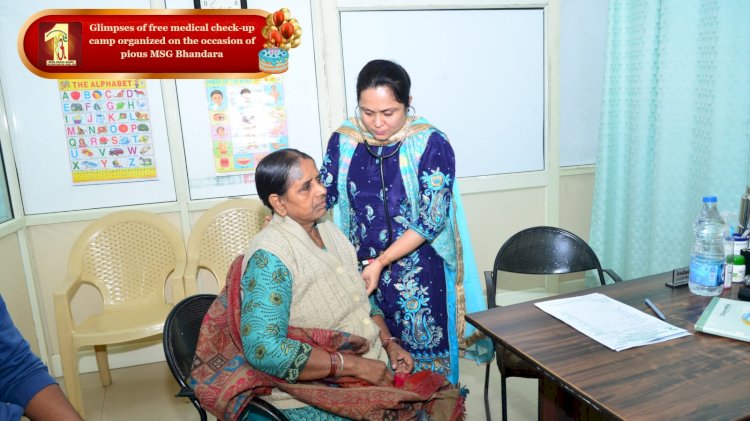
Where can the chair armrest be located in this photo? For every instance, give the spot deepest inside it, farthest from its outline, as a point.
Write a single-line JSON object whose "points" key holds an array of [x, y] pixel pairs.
{"points": [[63, 314], [177, 280], [612, 274], [186, 392], [70, 287], [192, 267], [266, 408], [490, 289], [190, 283]]}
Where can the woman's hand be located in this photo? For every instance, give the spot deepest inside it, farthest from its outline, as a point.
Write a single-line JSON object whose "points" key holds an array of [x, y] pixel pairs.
{"points": [[371, 276], [373, 371], [401, 360]]}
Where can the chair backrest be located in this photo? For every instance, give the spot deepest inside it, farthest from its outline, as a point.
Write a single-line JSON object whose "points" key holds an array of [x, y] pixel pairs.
{"points": [[221, 234], [544, 251], [181, 334], [181, 331], [128, 256]]}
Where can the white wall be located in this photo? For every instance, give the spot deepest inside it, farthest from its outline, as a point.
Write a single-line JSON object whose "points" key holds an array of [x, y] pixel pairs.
{"points": [[583, 41]]}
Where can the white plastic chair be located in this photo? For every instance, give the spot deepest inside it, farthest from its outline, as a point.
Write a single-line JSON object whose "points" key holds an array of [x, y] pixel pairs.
{"points": [[221, 234], [129, 256]]}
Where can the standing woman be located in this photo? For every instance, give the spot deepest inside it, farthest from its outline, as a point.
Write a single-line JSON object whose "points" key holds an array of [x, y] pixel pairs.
{"points": [[390, 181]]}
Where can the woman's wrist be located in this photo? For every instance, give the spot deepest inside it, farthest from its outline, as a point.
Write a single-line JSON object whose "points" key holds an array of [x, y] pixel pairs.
{"points": [[384, 258], [390, 340]]}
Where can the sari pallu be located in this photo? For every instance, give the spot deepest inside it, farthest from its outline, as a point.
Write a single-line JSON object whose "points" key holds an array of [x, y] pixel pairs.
{"points": [[224, 382]]}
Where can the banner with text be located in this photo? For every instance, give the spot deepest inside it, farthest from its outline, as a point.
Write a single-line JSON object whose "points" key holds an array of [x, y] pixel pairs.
{"points": [[158, 44]]}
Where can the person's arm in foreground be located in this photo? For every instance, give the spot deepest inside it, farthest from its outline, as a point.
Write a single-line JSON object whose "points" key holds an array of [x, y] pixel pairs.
{"points": [[267, 287], [50, 404], [25, 385]]}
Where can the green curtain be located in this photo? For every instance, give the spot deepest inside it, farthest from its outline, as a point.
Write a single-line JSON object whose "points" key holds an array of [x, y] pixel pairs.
{"points": [[675, 127]]}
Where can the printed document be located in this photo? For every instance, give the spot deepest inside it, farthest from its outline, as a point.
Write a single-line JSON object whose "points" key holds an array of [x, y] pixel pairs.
{"points": [[613, 324]]}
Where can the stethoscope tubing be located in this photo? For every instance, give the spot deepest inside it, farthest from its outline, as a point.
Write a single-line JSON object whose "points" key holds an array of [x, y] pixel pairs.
{"points": [[380, 158]]}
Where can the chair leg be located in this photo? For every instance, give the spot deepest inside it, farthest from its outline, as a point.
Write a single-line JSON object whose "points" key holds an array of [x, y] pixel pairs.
{"points": [[199, 408], [486, 392], [69, 362], [504, 392], [103, 363]]}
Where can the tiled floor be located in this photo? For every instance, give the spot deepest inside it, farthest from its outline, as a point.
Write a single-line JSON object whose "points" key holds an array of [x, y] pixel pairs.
{"points": [[145, 393]]}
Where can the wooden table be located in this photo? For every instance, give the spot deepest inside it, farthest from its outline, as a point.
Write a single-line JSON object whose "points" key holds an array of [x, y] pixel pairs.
{"points": [[697, 377]]}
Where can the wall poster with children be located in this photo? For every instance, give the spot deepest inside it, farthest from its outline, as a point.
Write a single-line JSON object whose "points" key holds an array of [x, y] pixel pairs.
{"points": [[247, 121], [108, 130]]}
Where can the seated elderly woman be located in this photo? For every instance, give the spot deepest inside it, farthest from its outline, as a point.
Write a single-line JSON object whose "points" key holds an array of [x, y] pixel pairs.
{"points": [[294, 324]]}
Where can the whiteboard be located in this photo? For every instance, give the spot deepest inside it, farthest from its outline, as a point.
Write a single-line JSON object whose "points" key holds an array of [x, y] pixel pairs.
{"points": [[477, 75], [301, 109], [38, 135]]}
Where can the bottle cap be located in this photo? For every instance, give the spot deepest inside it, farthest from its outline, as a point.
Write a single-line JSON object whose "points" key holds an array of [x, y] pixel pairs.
{"points": [[709, 199], [739, 260]]}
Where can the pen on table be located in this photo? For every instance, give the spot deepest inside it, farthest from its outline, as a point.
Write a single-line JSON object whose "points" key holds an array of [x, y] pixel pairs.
{"points": [[655, 309]]}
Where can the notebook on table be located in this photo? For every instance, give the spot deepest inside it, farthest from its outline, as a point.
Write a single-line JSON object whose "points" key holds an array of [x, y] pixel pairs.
{"points": [[725, 317]]}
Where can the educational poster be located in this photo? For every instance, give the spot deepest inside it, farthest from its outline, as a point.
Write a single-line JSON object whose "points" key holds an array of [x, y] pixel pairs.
{"points": [[108, 130], [247, 121]]}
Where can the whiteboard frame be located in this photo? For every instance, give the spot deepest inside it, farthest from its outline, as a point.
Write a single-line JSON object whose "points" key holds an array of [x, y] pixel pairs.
{"points": [[477, 75], [547, 179]]}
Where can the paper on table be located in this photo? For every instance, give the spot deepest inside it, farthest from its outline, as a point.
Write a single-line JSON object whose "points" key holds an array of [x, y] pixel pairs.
{"points": [[613, 324]]}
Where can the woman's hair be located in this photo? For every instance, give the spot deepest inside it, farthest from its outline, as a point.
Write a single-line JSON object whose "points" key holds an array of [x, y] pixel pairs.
{"points": [[277, 171], [216, 91], [385, 73]]}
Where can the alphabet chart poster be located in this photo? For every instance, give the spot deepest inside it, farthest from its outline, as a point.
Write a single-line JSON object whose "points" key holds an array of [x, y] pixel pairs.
{"points": [[108, 130], [247, 121]]}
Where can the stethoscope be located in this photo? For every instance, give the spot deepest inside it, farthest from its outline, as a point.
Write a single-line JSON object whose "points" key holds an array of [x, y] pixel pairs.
{"points": [[380, 158]]}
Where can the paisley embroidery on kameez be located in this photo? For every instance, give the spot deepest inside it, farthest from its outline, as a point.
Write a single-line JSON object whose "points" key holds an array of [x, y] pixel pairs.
{"points": [[435, 198]]}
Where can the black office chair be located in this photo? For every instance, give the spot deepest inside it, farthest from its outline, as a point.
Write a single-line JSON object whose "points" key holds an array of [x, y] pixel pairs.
{"points": [[535, 251], [180, 339]]}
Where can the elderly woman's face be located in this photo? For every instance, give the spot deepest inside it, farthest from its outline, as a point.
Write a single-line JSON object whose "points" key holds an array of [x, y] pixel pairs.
{"points": [[382, 115], [305, 200]]}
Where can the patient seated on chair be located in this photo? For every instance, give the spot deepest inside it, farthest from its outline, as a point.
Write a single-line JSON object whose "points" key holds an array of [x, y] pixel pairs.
{"points": [[294, 324]]}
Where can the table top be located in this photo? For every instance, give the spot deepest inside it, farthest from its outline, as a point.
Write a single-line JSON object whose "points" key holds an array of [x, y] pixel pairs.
{"points": [[701, 376]]}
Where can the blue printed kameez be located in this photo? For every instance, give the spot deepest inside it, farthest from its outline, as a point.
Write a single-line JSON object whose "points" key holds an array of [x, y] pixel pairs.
{"points": [[412, 292]]}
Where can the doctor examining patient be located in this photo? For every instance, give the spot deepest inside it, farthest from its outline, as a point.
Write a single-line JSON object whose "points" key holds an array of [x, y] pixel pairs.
{"points": [[381, 278]]}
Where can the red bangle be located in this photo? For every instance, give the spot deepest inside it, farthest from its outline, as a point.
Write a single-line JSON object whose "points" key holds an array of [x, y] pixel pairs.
{"points": [[334, 363]]}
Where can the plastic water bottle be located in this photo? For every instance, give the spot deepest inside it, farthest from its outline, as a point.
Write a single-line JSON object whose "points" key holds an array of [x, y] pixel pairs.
{"points": [[707, 257]]}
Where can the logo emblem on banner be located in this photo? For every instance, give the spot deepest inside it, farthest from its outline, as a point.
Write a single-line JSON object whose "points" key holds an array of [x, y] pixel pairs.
{"points": [[59, 44]]}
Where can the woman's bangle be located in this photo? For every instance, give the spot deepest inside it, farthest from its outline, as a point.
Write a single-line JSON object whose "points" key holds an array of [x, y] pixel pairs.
{"points": [[384, 258], [387, 341], [334, 363], [340, 370], [337, 365]]}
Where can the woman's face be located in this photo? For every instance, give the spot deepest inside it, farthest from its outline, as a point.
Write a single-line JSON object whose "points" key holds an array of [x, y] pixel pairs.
{"points": [[305, 200], [382, 115]]}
